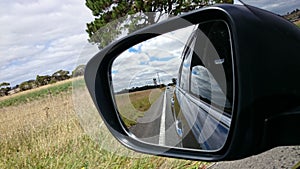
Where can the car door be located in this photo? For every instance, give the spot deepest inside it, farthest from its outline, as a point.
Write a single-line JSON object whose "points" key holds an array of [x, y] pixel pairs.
{"points": [[201, 99], [180, 102]]}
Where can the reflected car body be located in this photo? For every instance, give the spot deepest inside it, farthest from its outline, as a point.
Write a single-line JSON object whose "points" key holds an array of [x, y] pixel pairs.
{"points": [[202, 98]]}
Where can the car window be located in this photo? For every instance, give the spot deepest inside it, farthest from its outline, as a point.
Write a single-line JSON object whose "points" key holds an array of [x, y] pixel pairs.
{"points": [[185, 73], [205, 87], [211, 70]]}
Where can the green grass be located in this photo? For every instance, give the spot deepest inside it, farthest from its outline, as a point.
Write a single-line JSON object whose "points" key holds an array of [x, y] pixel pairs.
{"points": [[36, 94], [78, 83], [297, 165]]}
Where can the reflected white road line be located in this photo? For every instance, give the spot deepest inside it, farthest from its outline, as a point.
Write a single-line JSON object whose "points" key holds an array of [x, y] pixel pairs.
{"points": [[162, 132]]}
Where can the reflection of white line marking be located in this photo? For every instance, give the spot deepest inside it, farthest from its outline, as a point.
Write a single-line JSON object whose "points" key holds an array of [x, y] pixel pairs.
{"points": [[162, 132]]}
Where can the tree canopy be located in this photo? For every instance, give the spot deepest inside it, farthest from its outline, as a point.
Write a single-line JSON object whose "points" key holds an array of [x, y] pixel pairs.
{"points": [[78, 71], [61, 75], [4, 84], [40, 80], [114, 17], [4, 88]]}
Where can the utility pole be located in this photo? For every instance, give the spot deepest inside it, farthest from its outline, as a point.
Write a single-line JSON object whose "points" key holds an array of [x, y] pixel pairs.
{"points": [[158, 77]]}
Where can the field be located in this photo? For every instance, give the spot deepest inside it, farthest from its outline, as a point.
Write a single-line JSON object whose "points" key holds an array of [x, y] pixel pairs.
{"points": [[297, 23], [133, 105], [58, 127]]}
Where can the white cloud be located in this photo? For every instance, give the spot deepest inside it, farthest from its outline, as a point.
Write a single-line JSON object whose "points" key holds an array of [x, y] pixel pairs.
{"points": [[158, 57], [275, 6], [41, 37]]}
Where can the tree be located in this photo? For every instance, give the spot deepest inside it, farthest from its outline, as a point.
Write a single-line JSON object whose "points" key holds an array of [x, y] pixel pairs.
{"points": [[4, 84], [174, 81], [78, 71], [42, 80], [4, 88], [154, 81], [133, 15], [60, 75], [27, 85]]}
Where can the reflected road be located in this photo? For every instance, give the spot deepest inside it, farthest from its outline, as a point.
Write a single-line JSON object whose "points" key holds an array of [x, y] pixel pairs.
{"points": [[158, 124]]}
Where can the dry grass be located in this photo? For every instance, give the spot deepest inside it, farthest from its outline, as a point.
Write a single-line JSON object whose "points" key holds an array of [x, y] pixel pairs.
{"points": [[35, 131], [133, 105], [297, 23], [65, 131]]}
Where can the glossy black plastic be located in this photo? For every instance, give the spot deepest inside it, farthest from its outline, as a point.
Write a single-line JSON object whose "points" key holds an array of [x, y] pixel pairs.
{"points": [[266, 110]]}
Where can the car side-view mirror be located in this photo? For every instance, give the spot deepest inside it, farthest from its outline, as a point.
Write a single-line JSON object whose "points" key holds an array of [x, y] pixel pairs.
{"points": [[219, 83], [143, 77]]}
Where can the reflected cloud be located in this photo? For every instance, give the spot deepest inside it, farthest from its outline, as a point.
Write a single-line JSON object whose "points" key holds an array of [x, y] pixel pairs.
{"points": [[157, 58]]}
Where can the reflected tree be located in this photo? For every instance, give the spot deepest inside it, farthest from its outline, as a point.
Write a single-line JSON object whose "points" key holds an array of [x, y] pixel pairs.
{"points": [[154, 81], [174, 81]]}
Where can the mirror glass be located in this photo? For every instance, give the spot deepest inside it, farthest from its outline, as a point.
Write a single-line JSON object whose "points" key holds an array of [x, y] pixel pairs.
{"points": [[176, 89]]}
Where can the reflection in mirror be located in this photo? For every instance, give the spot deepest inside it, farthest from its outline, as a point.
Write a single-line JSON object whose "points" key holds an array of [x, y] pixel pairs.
{"points": [[176, 90]]}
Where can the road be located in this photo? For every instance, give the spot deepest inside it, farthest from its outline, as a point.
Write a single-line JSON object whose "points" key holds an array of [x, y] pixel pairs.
{"points": [[280, 157], [150, 129], [158, 124]]}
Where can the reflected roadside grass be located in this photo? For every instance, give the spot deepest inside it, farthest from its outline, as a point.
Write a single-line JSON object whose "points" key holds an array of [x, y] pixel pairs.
{"points": [[133, 105]]}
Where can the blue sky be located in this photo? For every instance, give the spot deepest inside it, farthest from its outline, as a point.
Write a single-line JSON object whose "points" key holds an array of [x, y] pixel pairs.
{"points": [[39, 37]]}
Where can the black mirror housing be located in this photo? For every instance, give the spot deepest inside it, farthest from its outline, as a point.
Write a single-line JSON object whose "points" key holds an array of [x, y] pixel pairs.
{"points": [[266, 109]]}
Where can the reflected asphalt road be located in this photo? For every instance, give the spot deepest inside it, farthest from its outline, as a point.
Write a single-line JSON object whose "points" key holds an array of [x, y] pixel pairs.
{"points": [[158, 124]]}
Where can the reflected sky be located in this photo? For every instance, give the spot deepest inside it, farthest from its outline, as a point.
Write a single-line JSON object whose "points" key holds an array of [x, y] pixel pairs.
{"points": [[157, 58]]}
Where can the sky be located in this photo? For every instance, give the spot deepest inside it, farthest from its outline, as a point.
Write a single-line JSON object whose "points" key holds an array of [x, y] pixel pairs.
{"points": [[280, 7], [159, 58], [39, 37]]}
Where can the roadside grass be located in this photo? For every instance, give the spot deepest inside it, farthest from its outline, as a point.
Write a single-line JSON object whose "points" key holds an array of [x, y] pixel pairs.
{"points": [[28, 96], [58, 131], [298, 23], [176, 106], [142, 101], [296, 166], [133, 105]]}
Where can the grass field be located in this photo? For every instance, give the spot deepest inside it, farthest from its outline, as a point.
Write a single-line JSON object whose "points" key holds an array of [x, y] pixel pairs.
{"points": [[34, 94], [133, 105], [298, 23], [62, 129]]}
